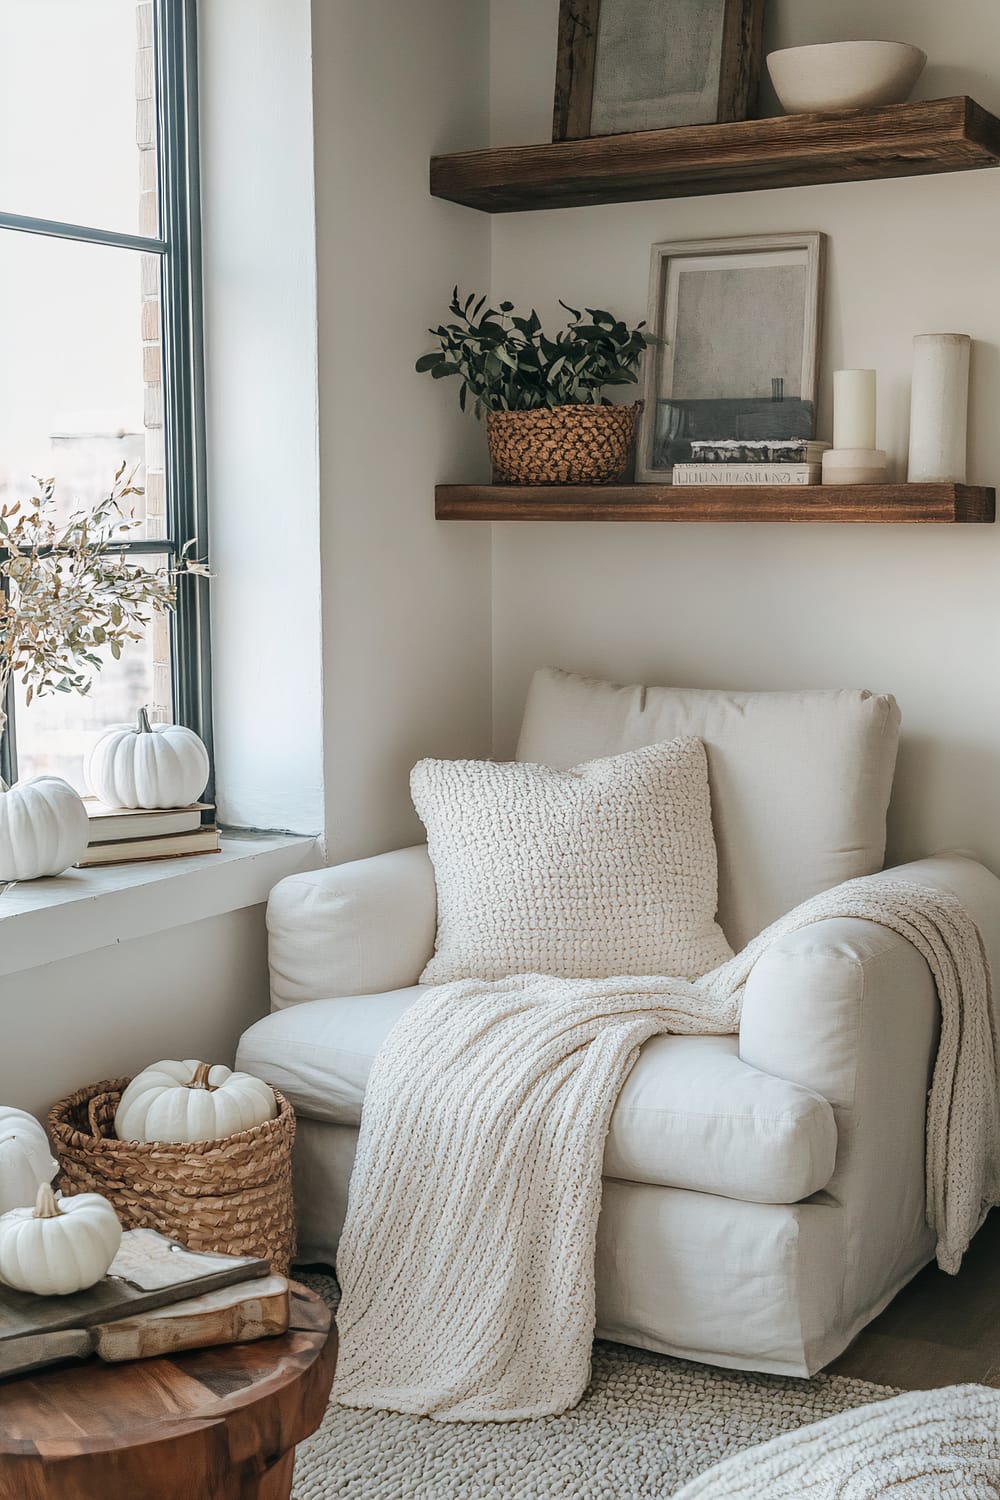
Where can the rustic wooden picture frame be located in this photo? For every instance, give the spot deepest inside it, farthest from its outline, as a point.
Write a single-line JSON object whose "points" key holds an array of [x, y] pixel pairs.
{"points": [[660, 362], [577, 58]]}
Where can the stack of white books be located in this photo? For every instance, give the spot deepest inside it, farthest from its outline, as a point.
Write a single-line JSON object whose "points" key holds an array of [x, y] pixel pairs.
{"points": [[735, 462], [119, 835]]}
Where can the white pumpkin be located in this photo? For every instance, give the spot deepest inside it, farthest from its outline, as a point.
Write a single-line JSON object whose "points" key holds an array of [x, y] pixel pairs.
{"points": [[59, 1246], [150, 765], [191, 1101], [44, 828], [25, 1158]]}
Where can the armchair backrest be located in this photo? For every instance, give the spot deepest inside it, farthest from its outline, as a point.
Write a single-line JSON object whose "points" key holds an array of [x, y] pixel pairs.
{"points": [[800, 781]]}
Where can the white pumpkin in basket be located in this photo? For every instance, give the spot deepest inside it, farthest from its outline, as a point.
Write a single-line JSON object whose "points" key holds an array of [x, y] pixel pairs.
{"points": [[147, 765], [60, 1246], [25, 1158], [191, 1101], [44, 828]]}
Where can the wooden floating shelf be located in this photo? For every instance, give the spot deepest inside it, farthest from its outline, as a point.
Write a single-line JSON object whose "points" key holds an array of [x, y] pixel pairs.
{"points": [[898, 140], [871, 504]]}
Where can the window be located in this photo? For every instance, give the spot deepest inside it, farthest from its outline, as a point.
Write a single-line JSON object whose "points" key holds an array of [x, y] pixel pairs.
{"points": [[100, 324]]}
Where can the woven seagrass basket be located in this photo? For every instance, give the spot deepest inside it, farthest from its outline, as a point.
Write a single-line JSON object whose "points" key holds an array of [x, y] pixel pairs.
{"points": [[561, 444], [233, 1196]]}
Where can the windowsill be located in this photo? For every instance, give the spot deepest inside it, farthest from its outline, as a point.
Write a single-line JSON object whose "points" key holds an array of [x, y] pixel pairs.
{"points": [[42, 921]]}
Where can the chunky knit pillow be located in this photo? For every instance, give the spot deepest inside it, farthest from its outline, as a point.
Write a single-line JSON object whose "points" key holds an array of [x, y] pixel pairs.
{"points": [[605, 869]]}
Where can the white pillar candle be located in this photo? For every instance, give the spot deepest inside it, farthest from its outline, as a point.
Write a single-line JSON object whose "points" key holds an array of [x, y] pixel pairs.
{"points": [[854, 408], [939, 408]]}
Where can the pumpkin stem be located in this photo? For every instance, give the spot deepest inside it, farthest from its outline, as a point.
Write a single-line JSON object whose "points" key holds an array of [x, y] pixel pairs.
{"points": [[199, 1079], [46, 1206], [143, 726]]}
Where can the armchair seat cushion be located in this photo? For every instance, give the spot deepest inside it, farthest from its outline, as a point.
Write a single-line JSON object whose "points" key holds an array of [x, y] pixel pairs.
{"points": [[691, 1115]]}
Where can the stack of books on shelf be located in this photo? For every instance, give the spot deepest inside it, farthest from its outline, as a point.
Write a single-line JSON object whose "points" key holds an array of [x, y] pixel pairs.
{"points": [[783, 461], [119, 835]]}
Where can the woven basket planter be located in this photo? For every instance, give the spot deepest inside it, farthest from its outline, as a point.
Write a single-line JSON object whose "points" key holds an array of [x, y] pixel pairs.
{"points": [[561, 444], [233, 1196]]}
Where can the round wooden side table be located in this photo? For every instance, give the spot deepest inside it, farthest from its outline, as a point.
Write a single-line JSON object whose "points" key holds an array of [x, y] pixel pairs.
{"points": [[212, 1424]]}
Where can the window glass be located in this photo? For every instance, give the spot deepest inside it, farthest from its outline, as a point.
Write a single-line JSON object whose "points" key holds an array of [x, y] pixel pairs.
{"points": [[77, 117], [80, 394], [80, 381]]}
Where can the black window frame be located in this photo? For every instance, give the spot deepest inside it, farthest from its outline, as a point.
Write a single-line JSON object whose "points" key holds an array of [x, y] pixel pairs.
{"points": [[178, 247]]}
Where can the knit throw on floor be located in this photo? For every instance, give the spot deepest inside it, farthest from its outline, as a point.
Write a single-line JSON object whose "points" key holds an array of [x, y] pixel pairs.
{"points": [[467, 1260], [926, 1445]]}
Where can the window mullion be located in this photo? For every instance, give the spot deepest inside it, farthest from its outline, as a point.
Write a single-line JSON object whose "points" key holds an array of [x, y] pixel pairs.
{"points": [[83, 233], [183, 366]]}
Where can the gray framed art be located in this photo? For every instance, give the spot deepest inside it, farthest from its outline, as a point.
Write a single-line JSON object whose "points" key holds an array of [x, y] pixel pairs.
{"points": [[627, 65], [738, 331]]}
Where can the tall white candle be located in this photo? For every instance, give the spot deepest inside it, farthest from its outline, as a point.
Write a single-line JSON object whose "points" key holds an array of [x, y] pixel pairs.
{"points": [[939, 408], [854, 409]]}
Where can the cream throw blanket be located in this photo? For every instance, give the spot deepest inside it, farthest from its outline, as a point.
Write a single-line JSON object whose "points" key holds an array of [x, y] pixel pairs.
{"points": [[926, 1445], [467, 1261]]}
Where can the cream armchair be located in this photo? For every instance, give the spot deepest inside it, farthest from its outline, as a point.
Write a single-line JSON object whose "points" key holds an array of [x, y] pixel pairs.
{"points": [[764, 1193]]}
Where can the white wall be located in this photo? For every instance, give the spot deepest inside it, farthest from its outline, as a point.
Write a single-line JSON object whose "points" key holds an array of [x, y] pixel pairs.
{"points": [[406, 600], [912, 610], [263, 460], [351, 634], [186, 992]]}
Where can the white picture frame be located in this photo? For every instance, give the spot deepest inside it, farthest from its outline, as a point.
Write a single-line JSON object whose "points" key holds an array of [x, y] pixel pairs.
{"points": [[737, 323]]}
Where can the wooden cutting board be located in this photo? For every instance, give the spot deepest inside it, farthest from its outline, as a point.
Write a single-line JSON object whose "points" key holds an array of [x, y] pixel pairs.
{"points": [[150, 1271], [231, 1315]]}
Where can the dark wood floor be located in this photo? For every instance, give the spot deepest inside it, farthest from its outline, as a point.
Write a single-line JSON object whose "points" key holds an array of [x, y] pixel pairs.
{"points": [[940, 1330]]}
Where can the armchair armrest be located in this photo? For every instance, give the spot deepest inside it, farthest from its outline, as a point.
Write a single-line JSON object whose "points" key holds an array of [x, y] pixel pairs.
{"points": [[352, 929], [843, 992]]}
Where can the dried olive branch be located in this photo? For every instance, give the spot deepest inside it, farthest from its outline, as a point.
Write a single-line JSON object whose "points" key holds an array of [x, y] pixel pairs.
{"points": [[68, 589]]}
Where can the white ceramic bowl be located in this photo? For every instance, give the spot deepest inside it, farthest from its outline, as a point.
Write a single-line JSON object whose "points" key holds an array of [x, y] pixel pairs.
{"points": [[844, 75]]}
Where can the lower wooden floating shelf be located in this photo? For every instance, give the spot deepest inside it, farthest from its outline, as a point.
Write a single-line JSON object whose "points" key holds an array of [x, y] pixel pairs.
{"points": [[871, 504]]}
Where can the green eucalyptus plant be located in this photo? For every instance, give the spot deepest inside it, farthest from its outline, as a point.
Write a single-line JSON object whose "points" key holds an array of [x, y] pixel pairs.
{"points": [[507, 363]]}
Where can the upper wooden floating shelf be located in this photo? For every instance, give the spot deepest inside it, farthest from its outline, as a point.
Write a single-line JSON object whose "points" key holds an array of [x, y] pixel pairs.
{"points": [[899, 140], [940, 504]]}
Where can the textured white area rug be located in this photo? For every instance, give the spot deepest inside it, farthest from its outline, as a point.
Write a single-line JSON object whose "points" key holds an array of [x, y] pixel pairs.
{"points": [[646, 1426]]}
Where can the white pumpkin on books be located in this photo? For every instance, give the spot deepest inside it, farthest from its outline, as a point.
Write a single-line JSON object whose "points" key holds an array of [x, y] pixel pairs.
{"points": [[191, 1101], [147, 765]]}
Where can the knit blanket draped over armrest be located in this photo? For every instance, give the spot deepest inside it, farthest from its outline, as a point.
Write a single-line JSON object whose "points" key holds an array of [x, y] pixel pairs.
{"points": [[467, 1261]]}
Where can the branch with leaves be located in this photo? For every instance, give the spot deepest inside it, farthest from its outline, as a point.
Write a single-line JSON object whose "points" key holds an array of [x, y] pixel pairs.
{"points": [[507, 363], [69, 591]]}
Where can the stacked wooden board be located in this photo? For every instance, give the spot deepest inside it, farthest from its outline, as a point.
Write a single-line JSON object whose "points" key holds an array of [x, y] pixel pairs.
{"points": [[158, 1297]]}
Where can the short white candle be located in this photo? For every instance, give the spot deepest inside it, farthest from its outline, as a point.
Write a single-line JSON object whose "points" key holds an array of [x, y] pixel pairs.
{"points": [[854, 409]]}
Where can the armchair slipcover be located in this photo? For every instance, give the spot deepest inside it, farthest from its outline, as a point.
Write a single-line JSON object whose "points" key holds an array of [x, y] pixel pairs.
{"points": [[763, 1193]]}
